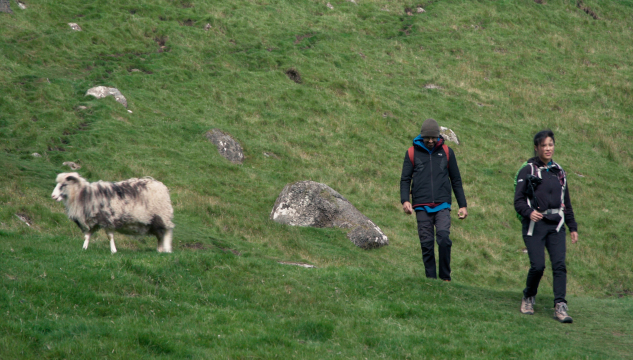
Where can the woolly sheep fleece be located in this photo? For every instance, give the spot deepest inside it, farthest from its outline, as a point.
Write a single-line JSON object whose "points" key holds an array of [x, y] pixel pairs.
{"points": [[132, 207]]}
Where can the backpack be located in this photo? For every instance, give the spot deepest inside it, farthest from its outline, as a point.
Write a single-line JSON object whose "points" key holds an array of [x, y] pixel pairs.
{"points": [[538, 171], [411, 152]]}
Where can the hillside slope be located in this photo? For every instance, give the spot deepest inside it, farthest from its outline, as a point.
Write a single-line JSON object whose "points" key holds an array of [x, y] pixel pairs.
{"points": [[501, 70]]}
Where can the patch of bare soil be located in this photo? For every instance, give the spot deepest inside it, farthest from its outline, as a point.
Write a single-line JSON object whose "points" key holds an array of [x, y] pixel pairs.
{"points": [[407, 29], [235, 252], [24, 218], [139, 70], [187, 22], [294, 75], [586, 9], [161, 41], [298, 38], [540, 1]]}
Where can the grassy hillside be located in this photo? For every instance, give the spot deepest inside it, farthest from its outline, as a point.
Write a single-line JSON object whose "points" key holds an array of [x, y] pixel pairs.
{"points": [[502, 71]]}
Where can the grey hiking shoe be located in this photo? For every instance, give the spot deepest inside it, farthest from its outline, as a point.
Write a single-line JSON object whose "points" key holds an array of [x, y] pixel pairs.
{"points": [[527, 305], [560, 313]]}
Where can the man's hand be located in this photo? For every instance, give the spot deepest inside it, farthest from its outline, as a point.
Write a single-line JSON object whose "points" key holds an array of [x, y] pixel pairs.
{"points": [[406, 206], [536, 216], [463, 213], [574, 237]]}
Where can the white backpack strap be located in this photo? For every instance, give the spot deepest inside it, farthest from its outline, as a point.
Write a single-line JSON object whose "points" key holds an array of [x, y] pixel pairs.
{"points": [[529, 202], [531, 228], [562, 218]]}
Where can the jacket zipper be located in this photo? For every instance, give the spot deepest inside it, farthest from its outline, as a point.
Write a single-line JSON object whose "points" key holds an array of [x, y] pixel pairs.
{"points": [[431, 166]]}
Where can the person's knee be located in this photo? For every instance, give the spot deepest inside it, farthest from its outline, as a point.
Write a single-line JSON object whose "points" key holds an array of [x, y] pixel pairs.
{"points": [[559, 267], [443, 238], [426, 243], [537, 268], [425, 234]]}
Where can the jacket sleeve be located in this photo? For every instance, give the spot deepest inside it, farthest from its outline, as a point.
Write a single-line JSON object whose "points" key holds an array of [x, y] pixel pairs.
{"points": [[456, 179], [520, 200], [405, 179], [569, 212]]}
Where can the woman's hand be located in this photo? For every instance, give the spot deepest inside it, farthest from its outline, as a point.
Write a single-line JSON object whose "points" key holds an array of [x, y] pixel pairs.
{"points": [[574, 237], [536, 216]]}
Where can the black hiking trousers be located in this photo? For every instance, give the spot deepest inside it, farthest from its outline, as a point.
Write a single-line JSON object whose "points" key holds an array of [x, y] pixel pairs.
{"points": [[441, 221], [545, 236]]}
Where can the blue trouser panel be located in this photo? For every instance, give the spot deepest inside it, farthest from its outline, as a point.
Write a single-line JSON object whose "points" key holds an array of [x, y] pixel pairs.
{"points": [[440, 222], [544, 236]]}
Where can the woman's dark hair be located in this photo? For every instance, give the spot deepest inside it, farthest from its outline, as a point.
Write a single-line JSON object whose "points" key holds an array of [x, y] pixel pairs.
{"points": [[542, 135]]}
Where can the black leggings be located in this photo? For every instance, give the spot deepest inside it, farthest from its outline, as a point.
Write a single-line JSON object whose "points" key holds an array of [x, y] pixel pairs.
{"points": [[545, 236]]}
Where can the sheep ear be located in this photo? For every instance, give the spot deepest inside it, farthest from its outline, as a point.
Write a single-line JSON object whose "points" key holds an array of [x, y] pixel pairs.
{"points": [[72, 179]]}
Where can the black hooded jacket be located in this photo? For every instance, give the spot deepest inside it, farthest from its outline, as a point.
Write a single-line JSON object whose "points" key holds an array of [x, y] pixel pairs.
{"points": [[547, 195], [431, 179]]}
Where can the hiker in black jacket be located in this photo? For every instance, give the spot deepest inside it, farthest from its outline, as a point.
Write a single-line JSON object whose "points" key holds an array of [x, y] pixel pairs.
{"points": [[429, 172], [542, 199]]}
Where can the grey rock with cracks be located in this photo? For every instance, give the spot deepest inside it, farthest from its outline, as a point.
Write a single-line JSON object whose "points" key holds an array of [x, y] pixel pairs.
{"points": [[102, 91], [449, 135], [5, 6], [227, 146], [309, 203]]}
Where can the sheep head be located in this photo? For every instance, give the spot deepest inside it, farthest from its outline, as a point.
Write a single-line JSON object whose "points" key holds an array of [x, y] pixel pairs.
{"points": [[66, 183]]}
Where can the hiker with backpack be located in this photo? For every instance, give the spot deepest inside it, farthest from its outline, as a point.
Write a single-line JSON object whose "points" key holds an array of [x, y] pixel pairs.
{"points": [[429, 172], [542, 202]]}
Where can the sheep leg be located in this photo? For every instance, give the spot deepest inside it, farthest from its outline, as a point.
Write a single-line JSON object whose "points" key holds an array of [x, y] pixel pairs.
{"points": [[164, 241], [111, 236], [86, 240]]}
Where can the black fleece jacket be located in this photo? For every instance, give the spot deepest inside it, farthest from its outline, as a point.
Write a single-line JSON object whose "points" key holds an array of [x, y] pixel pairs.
{"points": [[547, 195], [431, 177]]}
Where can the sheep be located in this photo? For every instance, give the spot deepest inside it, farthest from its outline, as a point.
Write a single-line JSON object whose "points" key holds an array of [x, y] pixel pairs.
{"points": [[132, 207]]}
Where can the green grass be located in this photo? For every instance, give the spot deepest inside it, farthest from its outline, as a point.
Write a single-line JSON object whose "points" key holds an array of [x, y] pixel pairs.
{"points": [[507, 69]]}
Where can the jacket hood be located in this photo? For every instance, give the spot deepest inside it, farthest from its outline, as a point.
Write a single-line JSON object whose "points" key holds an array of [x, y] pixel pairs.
{"points": [[419, 141]]}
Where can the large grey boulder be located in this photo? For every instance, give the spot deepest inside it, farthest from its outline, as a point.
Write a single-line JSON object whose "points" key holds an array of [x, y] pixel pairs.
{"points": [[102, 91], [227, 146], [309, 203], [5, 6]]}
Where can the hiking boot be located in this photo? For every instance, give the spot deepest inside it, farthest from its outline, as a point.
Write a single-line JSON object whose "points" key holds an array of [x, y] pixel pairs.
{"points": [[527, 305], [560, 313]]}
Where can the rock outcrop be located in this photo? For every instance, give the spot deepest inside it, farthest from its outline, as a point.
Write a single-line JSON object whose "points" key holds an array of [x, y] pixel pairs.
{"points": [[5, 6], [227, 146], [449, 135], [102, 91], [308, 203]]}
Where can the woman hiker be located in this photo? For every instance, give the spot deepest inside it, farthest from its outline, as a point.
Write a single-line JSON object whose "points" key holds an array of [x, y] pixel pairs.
{"points": [[542, 200]]}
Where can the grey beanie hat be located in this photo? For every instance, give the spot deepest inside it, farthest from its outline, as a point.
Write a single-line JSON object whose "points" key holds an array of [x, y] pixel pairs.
{"points": [[430, 128]]}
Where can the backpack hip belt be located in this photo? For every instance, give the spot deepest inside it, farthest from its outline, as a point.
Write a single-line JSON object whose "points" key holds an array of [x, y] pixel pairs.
{"points": [[560, 211]]}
